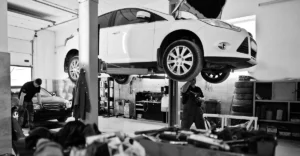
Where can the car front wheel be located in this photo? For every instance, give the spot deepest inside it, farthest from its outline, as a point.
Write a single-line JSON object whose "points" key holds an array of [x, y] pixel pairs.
{"points": [[122, 79], [215, 76], [62, 119], [73, 68], [183, 60]]}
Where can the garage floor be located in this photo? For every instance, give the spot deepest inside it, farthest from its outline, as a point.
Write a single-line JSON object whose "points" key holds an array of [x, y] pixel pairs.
{"points": [[285, 147]]}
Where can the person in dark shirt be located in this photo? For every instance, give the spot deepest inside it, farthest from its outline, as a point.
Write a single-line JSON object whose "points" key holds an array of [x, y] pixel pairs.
{"points": [[192, 98], [27, 92]]}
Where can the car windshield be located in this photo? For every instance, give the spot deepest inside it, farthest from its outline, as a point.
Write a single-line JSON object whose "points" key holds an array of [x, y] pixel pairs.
{"points": [[45, 93]]}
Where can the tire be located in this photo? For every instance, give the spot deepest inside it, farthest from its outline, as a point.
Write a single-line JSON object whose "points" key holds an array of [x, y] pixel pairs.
{"points": [[243, 91], [243, 96], [243, 84], [62, 119], [122, 79], [73, 68], [242, 108], [185, 65], [243, 102], [215, 77]]}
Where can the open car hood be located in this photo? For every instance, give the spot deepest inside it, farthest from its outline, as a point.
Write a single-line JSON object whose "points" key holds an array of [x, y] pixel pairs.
{"points": [[201, 8]]}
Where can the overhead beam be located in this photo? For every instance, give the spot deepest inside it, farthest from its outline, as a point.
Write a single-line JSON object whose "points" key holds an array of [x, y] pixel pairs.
{"points": [[32, 16], [56, 6]]}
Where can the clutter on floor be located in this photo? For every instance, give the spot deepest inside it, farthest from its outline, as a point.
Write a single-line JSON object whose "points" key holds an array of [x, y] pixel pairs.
{"points": [[79, 139]]}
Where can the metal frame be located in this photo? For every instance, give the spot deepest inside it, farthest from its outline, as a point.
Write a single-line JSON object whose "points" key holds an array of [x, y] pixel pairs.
{"points": [[224, 118]]}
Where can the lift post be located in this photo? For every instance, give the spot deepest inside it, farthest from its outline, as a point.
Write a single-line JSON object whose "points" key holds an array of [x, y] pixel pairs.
{"points": [[174, 91], [88, 52]]}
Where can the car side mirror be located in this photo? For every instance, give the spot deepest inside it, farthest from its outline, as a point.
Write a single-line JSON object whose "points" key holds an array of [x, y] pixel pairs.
{"points": [[53, 94], [143, 15]]}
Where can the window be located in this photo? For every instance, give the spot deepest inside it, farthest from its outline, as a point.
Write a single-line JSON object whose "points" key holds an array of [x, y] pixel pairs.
{"points": [[127, 16], [19, 75], [104, 20], [158, 18]]}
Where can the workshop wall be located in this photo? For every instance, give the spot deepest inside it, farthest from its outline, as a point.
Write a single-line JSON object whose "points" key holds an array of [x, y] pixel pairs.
{"points": [[5, 101], [43, 58], [278, 36], [239, 8], [20, 45]]}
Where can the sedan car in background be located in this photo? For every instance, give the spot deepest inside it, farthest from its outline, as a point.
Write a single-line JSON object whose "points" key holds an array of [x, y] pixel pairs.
{"points": [[53, 107]]}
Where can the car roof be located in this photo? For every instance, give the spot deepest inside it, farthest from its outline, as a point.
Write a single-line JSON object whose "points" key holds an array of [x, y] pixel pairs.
{"points": [[165, 15]]}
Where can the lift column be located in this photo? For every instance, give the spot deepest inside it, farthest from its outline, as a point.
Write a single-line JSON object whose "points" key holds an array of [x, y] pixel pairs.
{"points": [[88, 52], [174, 91]]}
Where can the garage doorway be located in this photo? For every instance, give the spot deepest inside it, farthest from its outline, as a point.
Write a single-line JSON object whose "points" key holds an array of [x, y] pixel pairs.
{"points": [[19, 75]]}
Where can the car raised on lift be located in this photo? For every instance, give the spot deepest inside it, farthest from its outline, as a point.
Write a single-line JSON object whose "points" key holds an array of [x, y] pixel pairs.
{"points": [[181, 47]]}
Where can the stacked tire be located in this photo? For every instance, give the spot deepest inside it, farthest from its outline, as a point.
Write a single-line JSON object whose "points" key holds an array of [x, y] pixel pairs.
{"points": [[243, 99]]}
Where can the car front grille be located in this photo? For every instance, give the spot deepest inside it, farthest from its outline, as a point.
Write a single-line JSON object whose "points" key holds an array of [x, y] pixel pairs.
{"points": [[244, 47], [253, 52], [53, 106]]}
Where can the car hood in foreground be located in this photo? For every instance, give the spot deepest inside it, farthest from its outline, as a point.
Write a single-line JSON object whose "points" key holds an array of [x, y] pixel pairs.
{"points": [[49, 100]]}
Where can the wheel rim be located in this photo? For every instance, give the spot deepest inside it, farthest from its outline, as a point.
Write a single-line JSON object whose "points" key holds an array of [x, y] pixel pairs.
{"points": [[180, 60], [120, 78], [74, 69], [215, 76]]}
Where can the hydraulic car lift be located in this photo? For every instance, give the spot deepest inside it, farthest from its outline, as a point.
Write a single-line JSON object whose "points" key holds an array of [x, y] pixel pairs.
{"points": [[174, 91]]}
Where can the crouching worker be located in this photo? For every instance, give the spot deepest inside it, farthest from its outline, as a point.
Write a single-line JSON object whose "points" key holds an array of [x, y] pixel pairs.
{"points": [[17, 132]]}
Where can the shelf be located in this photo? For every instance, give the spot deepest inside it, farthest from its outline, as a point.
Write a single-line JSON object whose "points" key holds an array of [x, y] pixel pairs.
{"points": [[274, 101], [142, 110], [295, 113], [149, 102], [139, 105], [281, 122]]}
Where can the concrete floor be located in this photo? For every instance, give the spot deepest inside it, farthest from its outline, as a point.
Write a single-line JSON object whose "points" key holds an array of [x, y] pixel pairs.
{"points": [[113, 124]]}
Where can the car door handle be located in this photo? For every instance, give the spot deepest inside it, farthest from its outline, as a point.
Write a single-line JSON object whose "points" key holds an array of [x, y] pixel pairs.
{"points": [[115, 33]]}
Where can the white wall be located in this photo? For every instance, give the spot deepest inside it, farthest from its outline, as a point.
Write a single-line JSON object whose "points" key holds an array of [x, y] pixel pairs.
{"points": [[61, 34], [44, 54], [3, 26], [278, 38], [239, 8], [20, 46]]}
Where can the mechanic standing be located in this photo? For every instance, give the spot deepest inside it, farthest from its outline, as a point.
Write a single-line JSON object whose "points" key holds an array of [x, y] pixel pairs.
{"points": [[28, 90], [192, 98]]}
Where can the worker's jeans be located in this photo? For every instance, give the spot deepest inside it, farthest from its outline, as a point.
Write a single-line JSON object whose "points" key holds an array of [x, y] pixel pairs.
{"points": [[26, 114], [192, 115]]}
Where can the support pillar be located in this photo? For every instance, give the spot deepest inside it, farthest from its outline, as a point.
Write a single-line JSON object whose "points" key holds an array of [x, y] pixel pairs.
{"points": [[174, 91], [5, 101], [88, 51], [174, 103]]}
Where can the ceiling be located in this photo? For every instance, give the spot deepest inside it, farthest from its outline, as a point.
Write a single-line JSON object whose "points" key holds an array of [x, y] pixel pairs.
{"points": [[42, 14], [39, 14]]}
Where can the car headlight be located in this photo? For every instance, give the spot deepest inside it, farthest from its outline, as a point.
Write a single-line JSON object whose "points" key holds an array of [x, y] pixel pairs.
{"points": [[221, 24], [68, 104], [36, 106]]}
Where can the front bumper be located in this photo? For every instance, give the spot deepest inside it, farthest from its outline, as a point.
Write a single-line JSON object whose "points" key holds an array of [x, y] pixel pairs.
{"points": [[244, 56], [45, 114]]}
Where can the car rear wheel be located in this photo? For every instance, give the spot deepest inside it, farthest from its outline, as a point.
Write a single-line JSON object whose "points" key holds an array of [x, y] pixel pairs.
{"points": [[183, 60], [122, 79], [62, 119], [73, 68], [215, 76]]}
